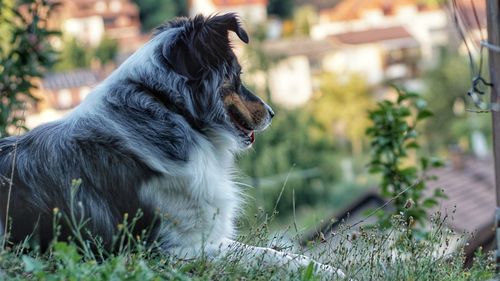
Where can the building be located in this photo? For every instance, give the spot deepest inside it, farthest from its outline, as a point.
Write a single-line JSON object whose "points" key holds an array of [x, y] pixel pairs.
{"points": [[397, 37], [297, 60], [61, 92], [90, 20], [251, 11], [393, 54], [66, 90]]}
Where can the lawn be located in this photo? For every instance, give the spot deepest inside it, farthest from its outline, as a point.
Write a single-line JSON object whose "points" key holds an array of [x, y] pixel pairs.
{"points": [[363, 255]]}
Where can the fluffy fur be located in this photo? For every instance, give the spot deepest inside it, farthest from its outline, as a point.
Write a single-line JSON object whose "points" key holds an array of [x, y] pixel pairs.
{"points": [[159, 135]]}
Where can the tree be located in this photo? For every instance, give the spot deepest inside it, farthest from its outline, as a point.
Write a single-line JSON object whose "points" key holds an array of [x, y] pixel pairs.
{"points": [[153, 13], [27, 57], [106, 51], [394, 134], [73, 55], [447, 85], [281, 8], [340, 106], [294, 144]]}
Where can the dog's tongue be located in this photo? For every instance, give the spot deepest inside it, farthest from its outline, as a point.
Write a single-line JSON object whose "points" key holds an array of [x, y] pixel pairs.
{"points": [[252, 136]]}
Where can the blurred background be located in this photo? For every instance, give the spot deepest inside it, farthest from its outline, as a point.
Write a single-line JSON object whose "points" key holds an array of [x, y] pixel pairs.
{"points": [[323, 65]]}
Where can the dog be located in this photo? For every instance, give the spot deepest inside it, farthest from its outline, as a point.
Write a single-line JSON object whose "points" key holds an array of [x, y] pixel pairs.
{"points": [[157, 138]]}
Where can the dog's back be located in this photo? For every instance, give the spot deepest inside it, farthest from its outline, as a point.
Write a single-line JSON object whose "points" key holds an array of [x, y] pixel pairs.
{"points": [[59, 165]]}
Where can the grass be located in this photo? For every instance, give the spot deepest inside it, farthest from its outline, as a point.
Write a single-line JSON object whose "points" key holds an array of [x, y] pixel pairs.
{"points": [[361, 254]]}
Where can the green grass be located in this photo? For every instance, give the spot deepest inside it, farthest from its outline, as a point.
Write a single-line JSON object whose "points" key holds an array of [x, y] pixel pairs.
{"points": [[362, 255]]}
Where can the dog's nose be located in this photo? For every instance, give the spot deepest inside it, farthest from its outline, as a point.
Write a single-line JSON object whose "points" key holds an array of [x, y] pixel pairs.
{"points": [[270, 110]]}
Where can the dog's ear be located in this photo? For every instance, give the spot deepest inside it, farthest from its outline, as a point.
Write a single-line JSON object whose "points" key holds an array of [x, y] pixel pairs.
{"points": [[202, 43], [223, 23]]}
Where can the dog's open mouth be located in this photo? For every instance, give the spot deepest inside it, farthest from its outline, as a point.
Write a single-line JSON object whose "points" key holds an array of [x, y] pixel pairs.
{"points": [[248, 135]]}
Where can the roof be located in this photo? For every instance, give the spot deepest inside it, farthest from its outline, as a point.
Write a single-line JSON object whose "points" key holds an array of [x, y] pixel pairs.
{"points": [[225, 3], [468, 11], [317, 4], [71, 79], [470, 204], [297, 46], [372, 35], [354, 9], [471, 193]]}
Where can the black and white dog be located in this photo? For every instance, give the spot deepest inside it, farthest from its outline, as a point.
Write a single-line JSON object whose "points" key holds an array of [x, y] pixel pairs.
{"points": [[158, 135]]}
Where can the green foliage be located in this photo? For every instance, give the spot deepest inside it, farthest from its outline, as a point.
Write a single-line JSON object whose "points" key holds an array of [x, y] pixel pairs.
{"points": [[447, 85], [281, 8], [367, 255], [153, 13], [106, 50], [303, 19], [337, 107], [394, 134], [294, 146], [75, 55], [28, 56]]}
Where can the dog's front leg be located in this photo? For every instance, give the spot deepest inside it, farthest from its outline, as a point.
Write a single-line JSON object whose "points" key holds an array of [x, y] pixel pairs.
{"points": [[261, 256]]}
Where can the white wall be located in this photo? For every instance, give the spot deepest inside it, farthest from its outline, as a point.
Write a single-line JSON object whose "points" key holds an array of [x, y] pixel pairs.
{"points": [[365, 60], [290, 82]]}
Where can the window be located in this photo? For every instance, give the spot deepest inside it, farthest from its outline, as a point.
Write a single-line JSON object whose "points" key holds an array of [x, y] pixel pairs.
{"points": [[64, 99]]}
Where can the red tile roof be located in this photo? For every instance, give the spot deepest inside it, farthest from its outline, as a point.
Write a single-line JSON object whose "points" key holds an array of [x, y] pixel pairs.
{"points": [[354, 9]]}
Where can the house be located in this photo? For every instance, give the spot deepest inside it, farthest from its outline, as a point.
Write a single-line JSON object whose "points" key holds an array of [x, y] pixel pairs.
{"points": [[397, 37], [297, 60], [90, 20], [60, 92], [251, 11], [393, 53], [468, 182], [66, 90]]}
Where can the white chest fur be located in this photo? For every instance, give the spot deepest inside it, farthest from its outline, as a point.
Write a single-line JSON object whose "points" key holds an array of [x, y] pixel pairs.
{"points": [[199, 204]]}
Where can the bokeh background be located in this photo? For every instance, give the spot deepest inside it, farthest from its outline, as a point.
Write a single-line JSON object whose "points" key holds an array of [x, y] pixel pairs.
{"points": [[323, 65]]}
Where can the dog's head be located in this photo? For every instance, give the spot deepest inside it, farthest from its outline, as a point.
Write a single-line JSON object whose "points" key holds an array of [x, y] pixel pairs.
{"points": [[199, 51]]}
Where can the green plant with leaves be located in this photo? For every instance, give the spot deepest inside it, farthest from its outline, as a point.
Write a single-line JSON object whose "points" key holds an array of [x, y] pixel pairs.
{"points": [[394, 137], [29, 55], [106, 51]]}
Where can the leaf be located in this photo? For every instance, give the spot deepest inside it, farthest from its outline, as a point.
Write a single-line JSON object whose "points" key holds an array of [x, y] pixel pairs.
{"points": [[429, 203], [308, 272], [424, 114], [31, 264], [436, 162], [374, 170], [439, 193], [424, 162]]}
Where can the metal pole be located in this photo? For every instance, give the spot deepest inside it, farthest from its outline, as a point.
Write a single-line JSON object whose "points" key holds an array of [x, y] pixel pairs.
{"points": [[493, 17]]}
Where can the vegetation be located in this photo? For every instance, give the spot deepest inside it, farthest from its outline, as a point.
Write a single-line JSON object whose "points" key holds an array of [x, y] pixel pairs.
{"points": [[153, 13], [363, 255], [294, 165], [447, 85], [76, 55], [337, 106], [394, 134], [26, 58], [281, 8]]}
